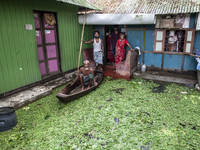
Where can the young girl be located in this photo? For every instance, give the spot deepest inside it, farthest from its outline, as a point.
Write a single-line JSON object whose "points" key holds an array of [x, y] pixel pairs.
{"points": [[120, 51]]}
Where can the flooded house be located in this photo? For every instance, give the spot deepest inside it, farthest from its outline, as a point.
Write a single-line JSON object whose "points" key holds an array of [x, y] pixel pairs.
{"points": [[33, 50], [40, 39], [167, 32]]}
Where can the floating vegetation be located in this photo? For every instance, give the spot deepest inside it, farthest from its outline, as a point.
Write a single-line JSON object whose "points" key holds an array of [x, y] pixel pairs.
{"points": [[119, 114]]}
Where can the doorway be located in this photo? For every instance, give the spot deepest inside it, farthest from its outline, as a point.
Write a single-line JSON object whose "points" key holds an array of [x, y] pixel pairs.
{"points": [[47, 45], [121, 29]]}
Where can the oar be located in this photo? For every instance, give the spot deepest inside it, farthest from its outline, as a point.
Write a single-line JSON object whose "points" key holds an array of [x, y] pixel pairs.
{"points": [[81, 43]]}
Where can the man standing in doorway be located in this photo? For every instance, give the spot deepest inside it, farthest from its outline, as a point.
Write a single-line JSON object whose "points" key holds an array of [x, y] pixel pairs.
{"points": [[98, 50], [114, 37]]}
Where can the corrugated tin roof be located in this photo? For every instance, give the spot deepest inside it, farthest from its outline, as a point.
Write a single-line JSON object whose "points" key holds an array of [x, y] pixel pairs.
{"points": [[83, 3], [148, 6]]}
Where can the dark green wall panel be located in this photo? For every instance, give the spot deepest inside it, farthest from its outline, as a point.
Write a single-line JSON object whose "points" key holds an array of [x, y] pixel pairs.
{"points": [[18, 46]]}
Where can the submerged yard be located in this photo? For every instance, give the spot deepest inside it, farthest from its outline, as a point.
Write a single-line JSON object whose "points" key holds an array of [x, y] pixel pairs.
{"points": [[134, 117]]}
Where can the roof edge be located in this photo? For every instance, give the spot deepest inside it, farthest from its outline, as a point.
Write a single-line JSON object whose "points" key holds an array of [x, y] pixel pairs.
{"points": [[82, 3]]}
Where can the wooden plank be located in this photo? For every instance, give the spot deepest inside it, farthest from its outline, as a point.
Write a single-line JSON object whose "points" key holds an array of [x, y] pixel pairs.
{"points": [[167, 23], [173, 53], [144, 32], [104, 44], [77, 89], [182, 65], [162, 61], [135, 29]]}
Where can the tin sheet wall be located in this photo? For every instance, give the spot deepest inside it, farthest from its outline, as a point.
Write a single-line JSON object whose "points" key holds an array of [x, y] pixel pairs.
{"points": [[19, 64], [143, 36], [151, 59]]}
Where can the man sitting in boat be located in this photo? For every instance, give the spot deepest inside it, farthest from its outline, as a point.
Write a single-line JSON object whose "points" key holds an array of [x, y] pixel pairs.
{"points": [[98, 50], [86, 75]]}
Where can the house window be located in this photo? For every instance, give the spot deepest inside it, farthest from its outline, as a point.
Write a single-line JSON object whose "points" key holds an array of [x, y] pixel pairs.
{"points": [[174, 40]]}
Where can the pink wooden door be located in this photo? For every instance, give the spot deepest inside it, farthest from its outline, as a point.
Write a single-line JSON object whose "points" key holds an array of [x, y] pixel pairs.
{"points": [[47, 45]]}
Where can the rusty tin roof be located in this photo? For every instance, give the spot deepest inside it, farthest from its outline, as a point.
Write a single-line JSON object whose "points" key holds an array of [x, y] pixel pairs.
{"points": [[82, 3], [147, 6]]}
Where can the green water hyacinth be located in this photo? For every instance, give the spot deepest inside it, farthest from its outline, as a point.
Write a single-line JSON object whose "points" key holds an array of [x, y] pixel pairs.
{"points": [[135, 118]]}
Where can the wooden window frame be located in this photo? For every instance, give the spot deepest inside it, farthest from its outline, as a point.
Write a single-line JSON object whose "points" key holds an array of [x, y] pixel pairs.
{"points": [[164, 38], [192, 41]]}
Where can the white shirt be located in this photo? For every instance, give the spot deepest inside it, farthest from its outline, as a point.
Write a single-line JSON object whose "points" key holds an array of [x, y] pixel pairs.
{"points": [[97, 46]]}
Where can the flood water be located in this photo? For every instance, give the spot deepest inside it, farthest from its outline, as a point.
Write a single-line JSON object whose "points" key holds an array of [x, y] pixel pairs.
{"points": [[159, 89], [162, 86]]}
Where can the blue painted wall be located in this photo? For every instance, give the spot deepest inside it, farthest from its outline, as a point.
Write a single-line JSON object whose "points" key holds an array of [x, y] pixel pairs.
{"points": [[197, 40], [192, 20], [140, 58], [135, 26], [150, 26], [189, 63], [135, 38], [172, 61], [98, 27], [153, 60], [149, 40]]}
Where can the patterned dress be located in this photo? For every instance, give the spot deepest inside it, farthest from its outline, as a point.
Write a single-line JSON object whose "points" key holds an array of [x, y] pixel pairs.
{"points": [[109, 50], [120, 51]]}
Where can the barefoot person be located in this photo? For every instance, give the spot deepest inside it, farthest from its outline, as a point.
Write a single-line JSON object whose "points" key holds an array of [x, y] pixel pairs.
{"points": [[120, 51], [86, 76], [98, 50]]}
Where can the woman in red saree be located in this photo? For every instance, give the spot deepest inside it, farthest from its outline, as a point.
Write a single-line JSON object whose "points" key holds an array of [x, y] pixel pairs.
{"points": [[120, 51], [109, 49]]}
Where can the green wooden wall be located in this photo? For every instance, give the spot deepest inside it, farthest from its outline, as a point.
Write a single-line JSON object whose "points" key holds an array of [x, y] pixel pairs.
{"points": [[18, 47]]}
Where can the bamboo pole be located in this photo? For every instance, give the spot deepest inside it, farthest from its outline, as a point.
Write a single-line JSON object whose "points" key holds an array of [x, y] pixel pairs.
{"points": [[81, 43]]}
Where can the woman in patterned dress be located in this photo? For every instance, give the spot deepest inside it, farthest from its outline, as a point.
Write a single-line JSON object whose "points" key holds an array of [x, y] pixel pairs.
{"points": [[120, 50]]}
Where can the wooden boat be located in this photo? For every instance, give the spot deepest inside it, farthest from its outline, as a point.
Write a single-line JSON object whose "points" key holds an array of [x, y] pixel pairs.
{"points": [[72, 92]]}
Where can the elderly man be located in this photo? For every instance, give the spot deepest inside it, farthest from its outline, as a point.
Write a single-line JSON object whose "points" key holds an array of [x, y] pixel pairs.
{"points": [[86, 75]]}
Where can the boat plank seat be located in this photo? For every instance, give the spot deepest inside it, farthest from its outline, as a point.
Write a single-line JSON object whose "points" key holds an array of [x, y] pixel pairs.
{"points": [[88, 55], [129, 65]]}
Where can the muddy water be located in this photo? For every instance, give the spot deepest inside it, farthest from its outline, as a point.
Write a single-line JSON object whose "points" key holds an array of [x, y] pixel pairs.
{"points": [[162, 86], [159, 89]]}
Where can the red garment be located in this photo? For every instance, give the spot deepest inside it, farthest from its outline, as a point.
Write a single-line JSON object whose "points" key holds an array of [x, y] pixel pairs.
{"points": [[109, 50], [120, 52], [125, 41]]}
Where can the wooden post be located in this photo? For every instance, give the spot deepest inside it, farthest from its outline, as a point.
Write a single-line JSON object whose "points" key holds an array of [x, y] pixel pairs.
{"points": [[81, 43]]}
